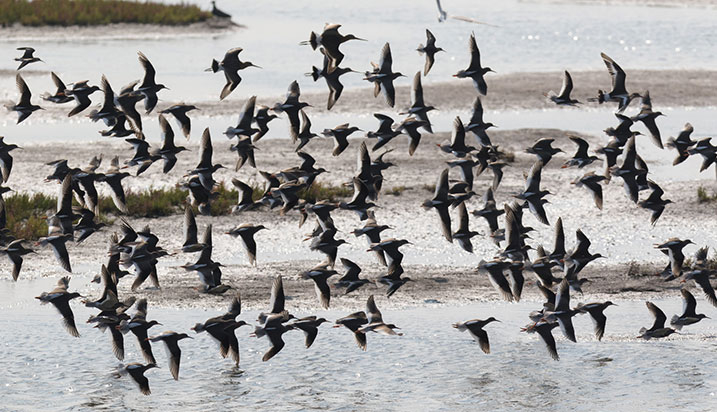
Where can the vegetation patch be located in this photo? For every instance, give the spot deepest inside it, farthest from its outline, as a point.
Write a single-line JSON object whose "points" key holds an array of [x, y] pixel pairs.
{"points": [[97, 12], [704, 197]]}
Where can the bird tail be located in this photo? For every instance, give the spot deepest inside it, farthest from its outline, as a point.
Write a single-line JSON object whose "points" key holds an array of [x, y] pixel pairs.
{"points": [[674, 324], [420, 49]]}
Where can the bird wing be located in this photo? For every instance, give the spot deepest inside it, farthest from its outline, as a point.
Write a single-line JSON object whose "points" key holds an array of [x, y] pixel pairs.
{"points": [[659, 315], [277, 296]]}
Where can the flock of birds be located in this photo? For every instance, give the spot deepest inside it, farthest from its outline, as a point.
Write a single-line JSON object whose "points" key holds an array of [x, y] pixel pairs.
{"points": [[140, 248]]}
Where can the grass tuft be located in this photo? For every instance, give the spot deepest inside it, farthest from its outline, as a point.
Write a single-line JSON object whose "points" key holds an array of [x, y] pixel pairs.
{"points": [[704, 197], [97, 12], [396, 190]]}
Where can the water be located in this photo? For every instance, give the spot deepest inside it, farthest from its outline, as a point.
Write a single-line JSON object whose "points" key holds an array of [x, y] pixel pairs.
{"points": [[431, 367]]}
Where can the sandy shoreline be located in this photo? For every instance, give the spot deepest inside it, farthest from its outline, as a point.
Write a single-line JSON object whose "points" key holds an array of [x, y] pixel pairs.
{"points": [[506, 92], [442, 271]]}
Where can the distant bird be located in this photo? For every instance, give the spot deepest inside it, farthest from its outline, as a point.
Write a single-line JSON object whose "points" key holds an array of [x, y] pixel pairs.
{"points": [[191, 244], [171, 339], [544, 150], [418, 108], [60, 298], [658, 329], [591, 181], [330, 39], [332, 76], [475, 71], [230, 65], [654, 202], [618, 93], [354, 322], [149, 87], [27, 57], [581, 157], [477, 126], [375, 320], [246, 232], [60, 96], [219, 13], [291, 107], [647, 117], [489, 212], [179, 111], [689, 315], [440, 202], [136, 371], [430, 51], [475, 328], [24, 107], [383, 76], [682, 143], [563, 98]]}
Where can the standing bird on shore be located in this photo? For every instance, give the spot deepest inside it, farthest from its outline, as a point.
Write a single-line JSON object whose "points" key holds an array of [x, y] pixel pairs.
{"points": [[419, 109], [171, 339], [563, 99], [24, 107], [383, 76], [475, 71], [219, 13], [60, 298], [149, 87], [618, 93], [60, 95], [179, 111], [475, 328], [330, 39], [430, 50], [27, 57], [230, 65]]}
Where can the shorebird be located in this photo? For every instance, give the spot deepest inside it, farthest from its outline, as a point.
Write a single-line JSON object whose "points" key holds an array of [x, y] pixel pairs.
{"points": [[457, 147], [384, 133], [563, 98], [533, 195], [375, 320], [179, 111], [320, 275], [246, 116], [515, 249], [358, 201], [246, 199], [647, 117], [673, 249], [136, 371], [340, 134], [544, 329], [477, 126], [310, 326], [350, 280], [440, 201], [611, 151], [654, 202], [108, 112], [430, 51], [60, 298], [627, 171], [222, 328], [245, 152], [291, 107], [418, 108], [246, 232], [689, 315], [708, 152], [87, 225], [149, 87], [27, 57], [475, 71], [618, 93], [15, 251], [658, 329], [139, 326], [113, 177], [81, 92], [463, 235], [544, 150], [60, 96], [230, 65], [494, 269], [168, 151], [24, 107], [262, 119], [142, 156], [581, 157], [330, 39], [219, 13], [171, 339], [305, 135], [475, 328], [6, 159], [332, 76], [410, 125], [273, 328], [596, 313], [383, 76], [682, 143], [591, 181], [206, 168], [489, 212], [372, 230], [354, 322]]}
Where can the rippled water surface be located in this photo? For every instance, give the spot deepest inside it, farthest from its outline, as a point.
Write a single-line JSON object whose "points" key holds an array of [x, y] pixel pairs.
{"points": [[431, 367]]}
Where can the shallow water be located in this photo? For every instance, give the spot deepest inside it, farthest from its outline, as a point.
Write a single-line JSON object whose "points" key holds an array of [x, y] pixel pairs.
{"points": [[431, 367]]}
